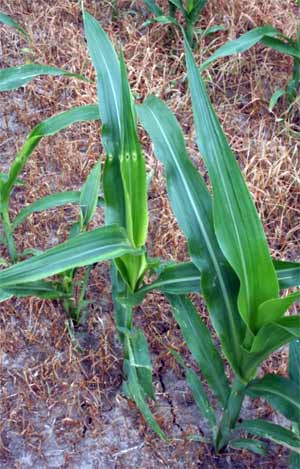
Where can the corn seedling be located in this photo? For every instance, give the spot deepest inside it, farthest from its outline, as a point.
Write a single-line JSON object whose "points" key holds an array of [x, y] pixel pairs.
{"points": [[189, 9], [9, 21], [238, 277], [270, 37]]}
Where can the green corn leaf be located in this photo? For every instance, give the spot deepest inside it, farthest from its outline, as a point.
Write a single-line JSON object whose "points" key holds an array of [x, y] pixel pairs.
{"points": [[9, 21], [237, 225], [5, 295], [107, 68], [280, 46], [274, 309], [4, 177], [178, 4], [46, 128], [142, 361], [135, 392], [200, 344], [133, 168], [151, 5], [282, 393], [123, 312], [196, 10], [294, 362], [14, 77], [257, 447], [89, 195], [191, 203], [275, 98], [211, 30], [273, 432], [163, 19], [85, 249], [198, 392], [288, 273], [40, 289], [269, 339], [242, 44], [57, 199]]}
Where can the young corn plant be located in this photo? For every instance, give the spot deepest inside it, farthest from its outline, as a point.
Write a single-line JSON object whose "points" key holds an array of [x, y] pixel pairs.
{"points": [[270, 37], [190, 10], [239, 281]]}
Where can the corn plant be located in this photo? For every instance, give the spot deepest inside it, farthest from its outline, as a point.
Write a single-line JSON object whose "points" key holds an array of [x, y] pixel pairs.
{"points": [[9, 21], [189, 9], [239, 283], [270, 37]]}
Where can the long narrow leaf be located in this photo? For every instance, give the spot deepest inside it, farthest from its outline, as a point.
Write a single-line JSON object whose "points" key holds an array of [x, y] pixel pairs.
{"points": [[199, 342], [272, 431], [237, 225], [85, 249], [288, 273], [90, 194], [44, 129], [242, 44], [107, 68], [13, 77], [45, 203], [191, 203], [40, 289], [282, 393], [9, 21]]}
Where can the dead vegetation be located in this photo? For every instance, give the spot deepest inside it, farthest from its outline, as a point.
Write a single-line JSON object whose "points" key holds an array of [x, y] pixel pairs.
{"points": [[63, 409]]}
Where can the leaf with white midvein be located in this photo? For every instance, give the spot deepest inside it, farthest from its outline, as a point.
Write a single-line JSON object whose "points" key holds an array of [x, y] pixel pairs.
{"points": [[282, 393], [14, 77], [98, 245], [288, 273], [201, 346], [274, 309], [191, 203], [46, 128], [273, 432], [237, 225]]}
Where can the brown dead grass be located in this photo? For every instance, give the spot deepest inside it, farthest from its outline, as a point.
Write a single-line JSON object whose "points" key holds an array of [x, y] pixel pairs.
{"points": [[41, 373]]}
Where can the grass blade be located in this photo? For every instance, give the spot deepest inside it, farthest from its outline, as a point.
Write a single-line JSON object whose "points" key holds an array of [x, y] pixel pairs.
{"points": [[242, 44], [14, 77], [199, 342], [45, 203], [89, 195], [282, 393], [40, 289], [191, 203], [46, 128], [9, 21], [85, 249], [257, 447], [273, 432], [237, 225]]}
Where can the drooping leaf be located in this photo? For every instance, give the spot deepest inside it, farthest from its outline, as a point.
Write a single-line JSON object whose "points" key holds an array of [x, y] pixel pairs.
{"points": [[198, 392], [89, 195], [282, 393], [85, 249], [256, 446], [199, 342], [14, 77], [242, 44], [271, 431], [191, 203], [142, 361], [46, 128], [40, 289], [237, 225], [280, 46], [9, 21], [57, 199]]}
